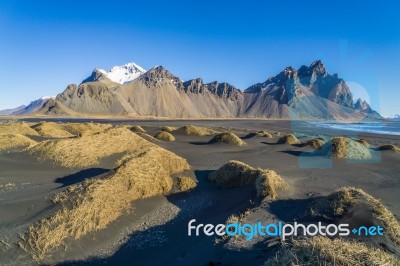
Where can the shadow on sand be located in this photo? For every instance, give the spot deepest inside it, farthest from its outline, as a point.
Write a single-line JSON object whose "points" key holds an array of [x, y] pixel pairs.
{"points": [[80, 176], [200, 143], [169, 243]]}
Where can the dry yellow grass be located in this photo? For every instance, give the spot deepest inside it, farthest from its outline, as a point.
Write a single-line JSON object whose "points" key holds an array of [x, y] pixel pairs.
{"points": [[148, 137], [94, 204], [228, 137], [185, 183], [88, 150], [17, 128], [268, 182], [363, 142], [15, 141], [168, 128], [138, 129], [344, 148], [324, 251], [237, 174], [51, 129], [233, 174], [288, 139], [198, 131], [315, 143], [338, 201], [85, 128], [335, 203], [262, 133], [164, 136], [389, 147]]}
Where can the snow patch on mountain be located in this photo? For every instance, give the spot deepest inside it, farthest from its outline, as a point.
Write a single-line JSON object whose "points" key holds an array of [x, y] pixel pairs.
{"points": [[123, 74]]}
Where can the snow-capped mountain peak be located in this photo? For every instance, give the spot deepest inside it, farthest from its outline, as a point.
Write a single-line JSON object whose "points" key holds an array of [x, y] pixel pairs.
{"points": [[123, 74]]}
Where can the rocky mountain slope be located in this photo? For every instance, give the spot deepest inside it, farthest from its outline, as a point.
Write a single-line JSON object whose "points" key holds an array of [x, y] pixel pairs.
{"points": [[12, 110], [304, 93], [33, 106]]}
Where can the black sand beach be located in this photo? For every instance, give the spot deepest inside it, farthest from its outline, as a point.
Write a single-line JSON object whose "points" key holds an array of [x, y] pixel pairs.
{"points": [[155, 232]]}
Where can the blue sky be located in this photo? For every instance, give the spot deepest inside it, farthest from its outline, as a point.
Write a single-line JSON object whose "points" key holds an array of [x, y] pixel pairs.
{"points": [[46, 45]]}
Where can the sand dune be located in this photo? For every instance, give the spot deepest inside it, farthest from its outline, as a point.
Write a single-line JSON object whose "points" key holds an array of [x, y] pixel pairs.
{"points": [[325, 251], [85, 128], [237, 174], [185, 183], [164, 136], [196, 130], [137, 129], [94, 204], [315, 143], [288, 139], [17, 128], [88, 150], [262, 133], [229, 138], [168, 128], [51, 129], [389, 147], [107, 181], [15, 141], [343, 147], [147, 137]]}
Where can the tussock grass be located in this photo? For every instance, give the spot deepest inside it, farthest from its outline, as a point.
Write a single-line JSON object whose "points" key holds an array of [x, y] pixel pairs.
{"points": [[51, 129], [196, 130], [164, 136], [228, 137], [17, 128], [237, 174], [233, 174], [88, 150], [335, 203], [147, 137], [338, 201], [268, 182], [315, 143], [85, 128], [168, 128], [138, 129], [94, 204], [389, 147], [185, 183], [343, 147], [262, 133], [288, 139], [325, 251], [15, 141], [363, 142]]}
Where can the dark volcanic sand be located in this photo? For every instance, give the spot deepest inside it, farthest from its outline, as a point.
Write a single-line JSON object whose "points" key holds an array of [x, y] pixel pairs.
{"points": [[155, 233]]}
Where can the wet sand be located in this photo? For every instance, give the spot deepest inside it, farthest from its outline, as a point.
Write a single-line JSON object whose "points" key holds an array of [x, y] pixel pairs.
{"points": [[156, 231]]}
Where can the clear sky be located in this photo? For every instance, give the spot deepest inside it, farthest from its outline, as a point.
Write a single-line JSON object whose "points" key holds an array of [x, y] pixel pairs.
{"points": [[46, 45]]}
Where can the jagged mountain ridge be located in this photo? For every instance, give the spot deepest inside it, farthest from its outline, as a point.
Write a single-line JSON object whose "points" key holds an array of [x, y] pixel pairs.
{"points": [[33, 106], [309, 92], [118, 74]]}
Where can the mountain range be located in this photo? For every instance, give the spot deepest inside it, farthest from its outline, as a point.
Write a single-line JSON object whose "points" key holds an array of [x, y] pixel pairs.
{"points": [[305, 93]]}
